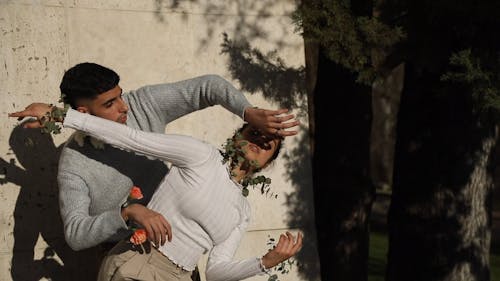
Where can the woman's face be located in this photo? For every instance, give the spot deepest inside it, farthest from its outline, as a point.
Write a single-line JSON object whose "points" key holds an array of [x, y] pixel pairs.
{"points": [[258, 148]]}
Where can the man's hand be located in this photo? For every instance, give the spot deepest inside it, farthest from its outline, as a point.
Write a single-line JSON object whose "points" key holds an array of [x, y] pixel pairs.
{"points": [[286, 248], [36, 110], [157, 227], [269, 121]]}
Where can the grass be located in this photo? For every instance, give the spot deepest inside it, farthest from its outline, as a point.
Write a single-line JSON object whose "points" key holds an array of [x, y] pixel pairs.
{"points": [[378, 258], [495, 263]]}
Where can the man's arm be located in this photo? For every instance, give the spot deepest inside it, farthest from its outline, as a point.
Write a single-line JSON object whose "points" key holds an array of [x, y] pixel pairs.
{"points": [[83, 230], [155, 106], [80, 228]]}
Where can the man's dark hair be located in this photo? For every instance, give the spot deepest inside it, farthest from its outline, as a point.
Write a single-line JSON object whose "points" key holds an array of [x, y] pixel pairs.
{"points": [[87, 80]]}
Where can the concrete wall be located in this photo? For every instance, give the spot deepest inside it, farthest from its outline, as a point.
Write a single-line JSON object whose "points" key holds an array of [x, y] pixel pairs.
{"points": [[145, 42]]}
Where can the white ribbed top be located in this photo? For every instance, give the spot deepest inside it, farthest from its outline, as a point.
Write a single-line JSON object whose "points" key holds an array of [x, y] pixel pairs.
{"points": [[205, 208]]}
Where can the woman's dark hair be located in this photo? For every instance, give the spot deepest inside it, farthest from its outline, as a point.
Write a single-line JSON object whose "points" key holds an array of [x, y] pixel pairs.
{"points": [[264, 139], [86, 80]]}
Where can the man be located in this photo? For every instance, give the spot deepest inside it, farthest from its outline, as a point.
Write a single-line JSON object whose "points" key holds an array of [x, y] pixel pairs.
{"points": [[95, 179]]}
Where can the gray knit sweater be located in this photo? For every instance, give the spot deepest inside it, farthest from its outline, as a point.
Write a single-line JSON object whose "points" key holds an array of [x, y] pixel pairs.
{"points": [[94, 183]]}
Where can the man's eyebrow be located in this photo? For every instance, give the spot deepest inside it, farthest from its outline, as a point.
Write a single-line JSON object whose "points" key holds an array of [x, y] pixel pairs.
{"points": [[108, 101], [112, 99]]}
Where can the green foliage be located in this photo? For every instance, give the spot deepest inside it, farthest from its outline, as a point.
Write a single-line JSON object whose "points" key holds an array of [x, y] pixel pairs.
{"points": [[273, 277], [358, 43], [51, 118], [49, 121], [261, 181], [234, 154], [458, 43], [467, 70]]}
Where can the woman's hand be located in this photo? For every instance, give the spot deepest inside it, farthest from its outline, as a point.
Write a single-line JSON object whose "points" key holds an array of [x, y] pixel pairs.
{"points": [[36, 110], [286, 248], [157, 227], [270, 122]]}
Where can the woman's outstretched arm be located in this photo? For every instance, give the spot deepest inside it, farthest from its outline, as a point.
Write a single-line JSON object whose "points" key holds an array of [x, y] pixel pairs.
{"points": [[180, 150], [222, 267]]}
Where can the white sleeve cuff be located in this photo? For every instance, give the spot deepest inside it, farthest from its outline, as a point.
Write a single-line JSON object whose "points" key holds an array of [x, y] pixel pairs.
{"points": [[262, 267]]}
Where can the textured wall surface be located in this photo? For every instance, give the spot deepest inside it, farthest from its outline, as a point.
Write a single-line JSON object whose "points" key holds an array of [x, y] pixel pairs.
{"points": [[146, 42]]}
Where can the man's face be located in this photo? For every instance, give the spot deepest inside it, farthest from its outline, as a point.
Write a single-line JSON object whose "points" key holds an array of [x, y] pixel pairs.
{"points": [[108, 105]]}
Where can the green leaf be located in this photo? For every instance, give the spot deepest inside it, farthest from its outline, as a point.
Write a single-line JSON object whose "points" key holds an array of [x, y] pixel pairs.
{"points": [[245, 192]]}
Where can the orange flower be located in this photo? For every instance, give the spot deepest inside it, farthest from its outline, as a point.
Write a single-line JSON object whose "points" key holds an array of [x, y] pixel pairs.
{"points": [[139, 236], [135, 193]]}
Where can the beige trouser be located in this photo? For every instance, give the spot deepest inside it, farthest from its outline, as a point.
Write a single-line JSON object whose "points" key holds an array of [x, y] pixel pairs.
{"points": [[124, 263]]}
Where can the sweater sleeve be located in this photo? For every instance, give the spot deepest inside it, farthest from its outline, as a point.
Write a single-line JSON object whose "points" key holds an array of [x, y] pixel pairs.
{"points": [[80, 228], [221, 267], [155, 106], [181, 151]]}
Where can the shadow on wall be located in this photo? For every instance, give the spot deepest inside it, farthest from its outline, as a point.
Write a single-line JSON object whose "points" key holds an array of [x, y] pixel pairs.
{"points": [[247, 17], [300, 205], [267, 74], [37, 212]]}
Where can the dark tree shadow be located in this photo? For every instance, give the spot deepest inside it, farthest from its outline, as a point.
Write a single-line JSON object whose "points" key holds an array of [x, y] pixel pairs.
{"points": [[268, 75], [37, 212], [247, 16], [300, 205]]}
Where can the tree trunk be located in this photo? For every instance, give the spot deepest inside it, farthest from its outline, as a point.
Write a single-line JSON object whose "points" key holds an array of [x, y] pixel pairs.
{"points": [[386, 94], [439, 222], [311, 52], [342, 188]]}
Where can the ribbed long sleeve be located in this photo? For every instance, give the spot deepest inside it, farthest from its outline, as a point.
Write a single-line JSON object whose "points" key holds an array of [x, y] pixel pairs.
{"points": [[204, 206]]}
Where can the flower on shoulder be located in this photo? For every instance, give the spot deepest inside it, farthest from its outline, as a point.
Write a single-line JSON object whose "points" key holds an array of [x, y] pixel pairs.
{"points": [[135, 193], [139, 236]]}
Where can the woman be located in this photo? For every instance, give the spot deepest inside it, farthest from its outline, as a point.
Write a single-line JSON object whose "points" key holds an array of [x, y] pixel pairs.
{"points": [[202, 199]]}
